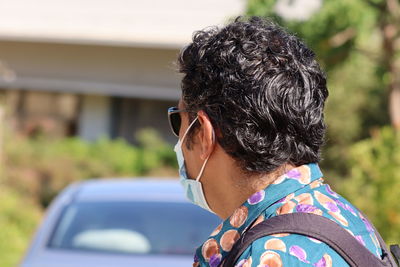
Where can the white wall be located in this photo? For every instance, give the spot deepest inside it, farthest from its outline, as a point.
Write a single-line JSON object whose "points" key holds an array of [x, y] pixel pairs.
{"points": [[95, 117]]}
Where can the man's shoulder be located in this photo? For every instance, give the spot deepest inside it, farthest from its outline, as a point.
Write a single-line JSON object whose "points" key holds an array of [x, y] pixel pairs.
{"points": [[321, 200], [299, 250]]}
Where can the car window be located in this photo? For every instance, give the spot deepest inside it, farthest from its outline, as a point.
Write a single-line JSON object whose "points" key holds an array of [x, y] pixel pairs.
{"points": [[133, 227]]}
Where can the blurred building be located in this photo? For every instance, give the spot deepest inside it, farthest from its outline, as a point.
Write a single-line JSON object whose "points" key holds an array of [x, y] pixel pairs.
{"points": [[97, 67]]}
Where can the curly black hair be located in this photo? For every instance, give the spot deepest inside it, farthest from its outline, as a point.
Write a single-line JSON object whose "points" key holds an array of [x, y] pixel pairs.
{"points": [[262, 89]]}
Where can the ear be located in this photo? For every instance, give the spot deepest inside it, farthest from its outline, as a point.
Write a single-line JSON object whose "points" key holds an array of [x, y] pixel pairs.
{"points": [[206, 135]]}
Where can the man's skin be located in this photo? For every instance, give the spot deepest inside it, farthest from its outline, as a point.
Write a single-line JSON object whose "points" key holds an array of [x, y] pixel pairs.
{"points": [[225, 185]]}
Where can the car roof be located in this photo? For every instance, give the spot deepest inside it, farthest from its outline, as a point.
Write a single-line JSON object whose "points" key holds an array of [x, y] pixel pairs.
{"points": [[120, 189]]}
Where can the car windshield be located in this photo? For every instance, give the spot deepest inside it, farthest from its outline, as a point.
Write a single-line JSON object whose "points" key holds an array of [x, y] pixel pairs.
{"points": [[133, 227]]}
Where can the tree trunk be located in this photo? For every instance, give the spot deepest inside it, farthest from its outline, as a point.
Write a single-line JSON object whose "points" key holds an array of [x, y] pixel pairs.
{"points": [[2, 115], [390, 30], [394, 99]]}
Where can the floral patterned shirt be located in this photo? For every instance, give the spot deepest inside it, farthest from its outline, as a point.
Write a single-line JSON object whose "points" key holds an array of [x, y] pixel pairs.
{"points": [[302, 189]]}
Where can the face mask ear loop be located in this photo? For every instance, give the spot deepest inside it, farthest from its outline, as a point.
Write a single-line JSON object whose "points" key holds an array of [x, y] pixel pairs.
{"points": [[187, 130], [205, 162]]}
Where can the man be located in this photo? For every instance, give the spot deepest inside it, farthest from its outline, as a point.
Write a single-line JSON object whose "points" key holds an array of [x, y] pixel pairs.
{"points": [[250, 124]]}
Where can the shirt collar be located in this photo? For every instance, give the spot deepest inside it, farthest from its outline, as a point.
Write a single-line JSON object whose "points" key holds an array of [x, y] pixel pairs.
{"points": [[224, 236]]}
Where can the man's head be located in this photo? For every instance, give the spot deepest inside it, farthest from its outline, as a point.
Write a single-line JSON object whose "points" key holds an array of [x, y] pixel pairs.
{"points": [[261, 89]]}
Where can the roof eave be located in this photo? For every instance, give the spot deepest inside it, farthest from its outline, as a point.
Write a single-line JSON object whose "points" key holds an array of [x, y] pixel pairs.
{"points": [[156, 44]]}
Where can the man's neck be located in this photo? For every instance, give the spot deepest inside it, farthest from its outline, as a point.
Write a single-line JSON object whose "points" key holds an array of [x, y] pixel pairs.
{"points": [[237, 187]]}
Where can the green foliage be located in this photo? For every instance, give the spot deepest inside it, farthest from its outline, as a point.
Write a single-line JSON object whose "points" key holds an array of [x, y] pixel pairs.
{"points": [[154, 152], [354, 106], [331, 32], [375, 179], [41, 167], [18, 220]]}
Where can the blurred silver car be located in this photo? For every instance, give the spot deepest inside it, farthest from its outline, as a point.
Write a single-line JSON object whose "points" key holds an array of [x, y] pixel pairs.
{"points": [[120, 222]]}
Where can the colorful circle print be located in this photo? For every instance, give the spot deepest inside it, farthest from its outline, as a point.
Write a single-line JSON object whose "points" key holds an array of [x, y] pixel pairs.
{"points": [[256, 197], [239, 217]]}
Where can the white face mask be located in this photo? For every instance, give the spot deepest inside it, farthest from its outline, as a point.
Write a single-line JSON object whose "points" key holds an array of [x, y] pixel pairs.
{"points": [[193, 188]]}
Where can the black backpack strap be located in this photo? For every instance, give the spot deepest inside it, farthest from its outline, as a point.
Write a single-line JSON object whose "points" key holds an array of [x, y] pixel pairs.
{"points": [[314, 226], [395, 249]]}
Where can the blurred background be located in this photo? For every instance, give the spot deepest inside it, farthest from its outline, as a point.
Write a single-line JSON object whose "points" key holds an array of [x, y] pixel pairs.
{"points": [[84, 88]]}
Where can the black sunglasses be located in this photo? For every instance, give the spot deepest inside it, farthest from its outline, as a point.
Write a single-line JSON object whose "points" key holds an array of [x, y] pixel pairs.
{"points": [[174, 119]]}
